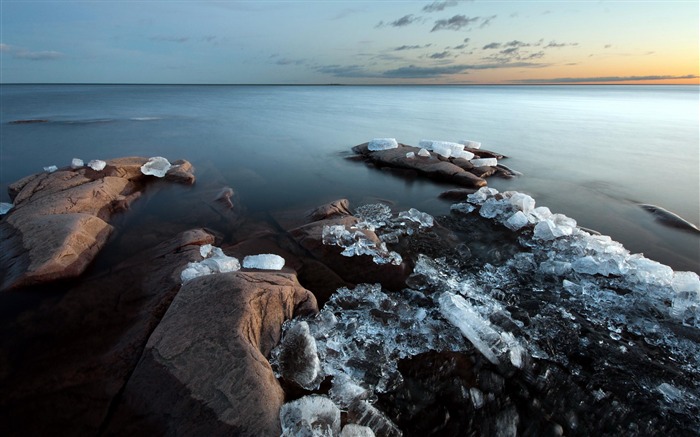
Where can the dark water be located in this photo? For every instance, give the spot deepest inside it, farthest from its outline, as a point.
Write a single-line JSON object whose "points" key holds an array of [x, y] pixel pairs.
{"points": [[593, 153]]}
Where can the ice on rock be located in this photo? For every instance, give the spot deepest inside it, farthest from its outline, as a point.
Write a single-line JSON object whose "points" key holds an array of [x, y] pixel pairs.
{"points": [[464, 208], [156, 166], [477, 397], [423, 153], [76, 163], [523, 202], [540, 213], [441, 150], [297, 357], [462, 154], [492, 208], [310, 416], [671, 394], [374, 214], [215, 261], [484, 162], [426, 144], [556, 268], [447, 149], [264, 261], [409, 155], [356, 243], [382, 144], [5, 207], [517, 221], [471, 144], [481, 195], [345, 391], [548, 229], [644, 270], [363, 413], [50, 169], [425, 220], [98, 164], [685, 302], [353, 430]]}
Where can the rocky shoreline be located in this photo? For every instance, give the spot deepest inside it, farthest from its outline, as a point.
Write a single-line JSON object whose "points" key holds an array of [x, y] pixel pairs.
{"points": [[497, 318]]}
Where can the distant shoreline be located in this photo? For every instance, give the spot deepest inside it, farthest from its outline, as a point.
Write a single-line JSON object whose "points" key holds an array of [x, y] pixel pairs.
{"points": [[353, 85]]}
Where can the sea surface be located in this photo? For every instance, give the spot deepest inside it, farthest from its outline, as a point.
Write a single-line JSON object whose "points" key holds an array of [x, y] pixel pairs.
{"points": [[593, 153]]}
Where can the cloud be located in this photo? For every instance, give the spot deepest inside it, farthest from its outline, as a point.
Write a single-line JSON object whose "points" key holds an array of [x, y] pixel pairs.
{"points": [[412, 47], [416, 72], [20, 53], [493, 45], [287, 61], [440, 55], [437, 6], [607, 46], [345, 12], [486, 21], [556, 45], [605, 79], [5, 48], [401, 22], [455, 23], [344, 70]]}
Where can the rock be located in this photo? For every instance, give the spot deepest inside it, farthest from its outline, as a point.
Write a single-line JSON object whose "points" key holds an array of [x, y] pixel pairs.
{"points": [[356, 269], [213, 378], [337, 208], [457, 194], [431, 166], [60, 220], [224, 197], [181, 172], [68, 358]]}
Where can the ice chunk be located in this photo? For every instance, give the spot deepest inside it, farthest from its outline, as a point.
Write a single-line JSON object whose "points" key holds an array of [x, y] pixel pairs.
{"points": [[382, 144], [76, 163], [671, 393], [99, 165], [548, 230], [264, 261], [477, 330], [356, 243], [194, 270], [215, 261], [523, 202], [298, 357], [409, 155], [686, 298], [463, 208], [312, 415], [424, 153], [471, 144], [345, 391], [441, 149], [375, 214], [363, 413], [462, 154], [554, 267], [492, 208], [484, 162], [205, 250], [648, 271], [686, 283], [481, 195], [425, 220], [5, 207], [50, 169], [507, 423], [156, 166], [353, 430], [426, 144], [540, 213], [516, 221], [477, 397]]}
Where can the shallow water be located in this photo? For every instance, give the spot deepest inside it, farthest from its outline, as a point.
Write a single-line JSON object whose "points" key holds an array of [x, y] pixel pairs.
{"points": [[592, 153]]}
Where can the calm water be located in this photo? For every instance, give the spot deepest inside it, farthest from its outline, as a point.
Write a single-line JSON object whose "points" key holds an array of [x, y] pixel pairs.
{"points": [[591, 152]]}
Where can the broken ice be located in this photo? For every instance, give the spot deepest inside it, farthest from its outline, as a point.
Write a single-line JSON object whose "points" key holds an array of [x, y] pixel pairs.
{"points": [[410, 155], [156, 166], [471, 144], [97, 164], [353, 430], [424, 153], [5, 207], [484, 162], [425, 220], [215, 261], [264, 261], [50, 169], [76, 163], [313, 416], [357, 243], [382, 144], [446, 148], [462, 154]]}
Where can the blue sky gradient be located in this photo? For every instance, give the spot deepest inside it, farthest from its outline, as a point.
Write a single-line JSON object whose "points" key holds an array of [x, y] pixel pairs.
{"points": [[353, 42]]}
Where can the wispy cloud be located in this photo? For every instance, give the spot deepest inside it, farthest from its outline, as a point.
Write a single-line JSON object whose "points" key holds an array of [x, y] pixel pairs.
{"points": [[417, 72], [440, 55], [287, 61], [556, 45], [598, 79], [437, 6], [21, 53], [411, 47], [487, 21], [457, 22], [401, 22], [492, 46], [357, 71]]}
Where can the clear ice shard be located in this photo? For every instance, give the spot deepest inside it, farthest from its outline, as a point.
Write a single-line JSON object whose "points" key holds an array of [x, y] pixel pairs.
{"points": [[297, 357], [517, 221], [426, 144], [423, 153], [425, 220], [97, 164], [5, 207], [481, 195], [76, 163], [353, 430], [410, 155], [50, 169], [382, 144], [156, 166], [523, 202], [464, 154], [447, 149], [215, 261], [357, 243], [484, 162], [312, 416], [263, 261]]}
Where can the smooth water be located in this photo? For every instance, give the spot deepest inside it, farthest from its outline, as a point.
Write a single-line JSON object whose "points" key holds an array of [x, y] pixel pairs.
{"points": [[591, 152]]}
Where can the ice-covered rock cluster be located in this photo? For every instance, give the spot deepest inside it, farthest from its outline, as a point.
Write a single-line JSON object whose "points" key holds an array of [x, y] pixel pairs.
{"points": [[382, 144], [446, 149], [356, 242], [156, 166], [215, 261]]}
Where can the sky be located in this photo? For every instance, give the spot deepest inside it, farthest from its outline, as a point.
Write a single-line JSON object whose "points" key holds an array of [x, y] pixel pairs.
{"points": [[349, 42]]}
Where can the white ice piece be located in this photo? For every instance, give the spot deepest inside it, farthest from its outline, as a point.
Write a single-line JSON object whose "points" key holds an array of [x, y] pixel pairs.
{"points": [[311, 415], [264, 261], [516, 221], [471, 144], [354, 430], [215, 261], [76, 163], [523, 202], [410, 155], [462, 154], [424, 219], [382, 144], [5, 207], [156, 166], [97, 164], [481, 195], [426, 144], [424, 153], [484, 162], [441, 150], [50, 169]]}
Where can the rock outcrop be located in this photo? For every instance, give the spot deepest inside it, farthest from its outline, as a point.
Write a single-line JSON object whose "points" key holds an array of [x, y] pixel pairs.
{"points": [[60, 220], [204, 370]]}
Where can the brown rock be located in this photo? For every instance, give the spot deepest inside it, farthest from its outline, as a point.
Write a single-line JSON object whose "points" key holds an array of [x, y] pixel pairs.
{"points": [[68, 358], [181, 172], [457, 194], [337, 208], [213, 378]]}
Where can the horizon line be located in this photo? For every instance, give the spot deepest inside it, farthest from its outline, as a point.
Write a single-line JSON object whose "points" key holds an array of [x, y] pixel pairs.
{"points": [[352, 84]]}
